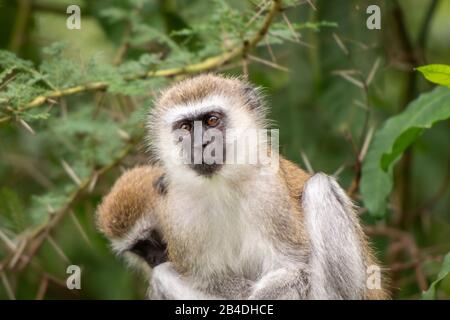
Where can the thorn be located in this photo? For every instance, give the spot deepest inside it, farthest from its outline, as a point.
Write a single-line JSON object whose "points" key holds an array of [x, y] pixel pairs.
{"points": [[340, 44], [27, 126], [257, 14], [80, 228], [50, 209], [308, 166], [93, 182], [7, 286], [373, 71], [338, 171], [245, 67], [42, 288], [268, 63], [269, 48], [365, 147], [346, 71], [18, 254], [9, 243], [360, 104], [123, 134], [350, 79], [58, 249], [312, 4], [291, 27], [71, 173]]}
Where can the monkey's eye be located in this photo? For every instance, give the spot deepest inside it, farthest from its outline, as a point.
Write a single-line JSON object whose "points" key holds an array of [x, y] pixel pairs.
{"points": [[212, 121], [186, 126]]}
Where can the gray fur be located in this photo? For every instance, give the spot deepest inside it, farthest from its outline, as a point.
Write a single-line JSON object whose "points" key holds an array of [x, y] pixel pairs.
{"points": [[336, 261]]}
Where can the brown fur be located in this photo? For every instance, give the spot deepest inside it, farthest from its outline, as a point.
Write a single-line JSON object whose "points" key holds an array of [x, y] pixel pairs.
{"points": [[292, 231], [197, 88], [132, 196]]}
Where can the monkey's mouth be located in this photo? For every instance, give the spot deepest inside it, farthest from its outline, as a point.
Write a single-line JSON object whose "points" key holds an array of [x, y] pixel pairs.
{"points": [[207, 170]]}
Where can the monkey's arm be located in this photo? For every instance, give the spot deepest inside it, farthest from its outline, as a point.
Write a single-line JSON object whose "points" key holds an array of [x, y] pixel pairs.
{"points": [[167, 283], [285, 283]]}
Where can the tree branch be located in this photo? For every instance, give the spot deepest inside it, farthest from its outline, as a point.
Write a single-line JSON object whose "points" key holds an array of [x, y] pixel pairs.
{"points": [[205, 65]]}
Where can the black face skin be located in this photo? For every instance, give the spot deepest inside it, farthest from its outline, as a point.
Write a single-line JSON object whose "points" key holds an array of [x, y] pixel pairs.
{"points": [[215, 119], [152, 249]]}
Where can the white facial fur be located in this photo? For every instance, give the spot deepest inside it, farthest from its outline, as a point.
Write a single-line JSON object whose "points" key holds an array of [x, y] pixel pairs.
{"points": [[238, 118]]}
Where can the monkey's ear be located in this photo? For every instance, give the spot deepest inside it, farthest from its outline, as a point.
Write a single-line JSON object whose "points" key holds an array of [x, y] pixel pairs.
{"points": [[252, 95]]}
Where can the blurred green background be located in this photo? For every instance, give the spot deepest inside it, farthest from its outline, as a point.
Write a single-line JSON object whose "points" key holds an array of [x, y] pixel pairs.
{"points": [[311, 66]]}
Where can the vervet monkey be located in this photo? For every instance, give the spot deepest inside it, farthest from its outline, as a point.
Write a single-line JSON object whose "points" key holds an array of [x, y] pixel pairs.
{"points": [[314, 247], [129, 214], [270, 233]]}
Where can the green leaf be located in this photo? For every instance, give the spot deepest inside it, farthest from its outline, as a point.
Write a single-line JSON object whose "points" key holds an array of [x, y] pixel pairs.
{"points": [[430, 294], [392, 139], [437, 73]]}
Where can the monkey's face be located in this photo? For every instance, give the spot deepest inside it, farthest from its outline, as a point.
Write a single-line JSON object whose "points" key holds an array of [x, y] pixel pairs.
{"points": [[200, 127], [199, 137]]}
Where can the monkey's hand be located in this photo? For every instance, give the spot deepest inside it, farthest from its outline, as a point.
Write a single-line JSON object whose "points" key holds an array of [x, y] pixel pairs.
{"points": [[283, 283], [167, 284]]}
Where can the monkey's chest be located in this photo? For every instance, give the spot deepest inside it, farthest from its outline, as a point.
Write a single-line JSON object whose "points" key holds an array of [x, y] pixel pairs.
{"points": [[226, 242]]}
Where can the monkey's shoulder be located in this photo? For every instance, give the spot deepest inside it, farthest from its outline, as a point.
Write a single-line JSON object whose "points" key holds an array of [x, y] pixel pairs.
{"points": [[294, 177]]}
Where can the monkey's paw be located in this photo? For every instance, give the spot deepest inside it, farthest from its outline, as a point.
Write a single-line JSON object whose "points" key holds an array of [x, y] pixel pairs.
{"points": [[161, 282]]}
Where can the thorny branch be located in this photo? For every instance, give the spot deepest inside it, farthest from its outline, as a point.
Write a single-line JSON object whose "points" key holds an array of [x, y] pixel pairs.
{"points": [[205, 65]]}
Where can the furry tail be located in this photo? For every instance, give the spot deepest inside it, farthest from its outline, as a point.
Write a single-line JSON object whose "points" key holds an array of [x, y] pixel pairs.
{"points": [[339, 251]]}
